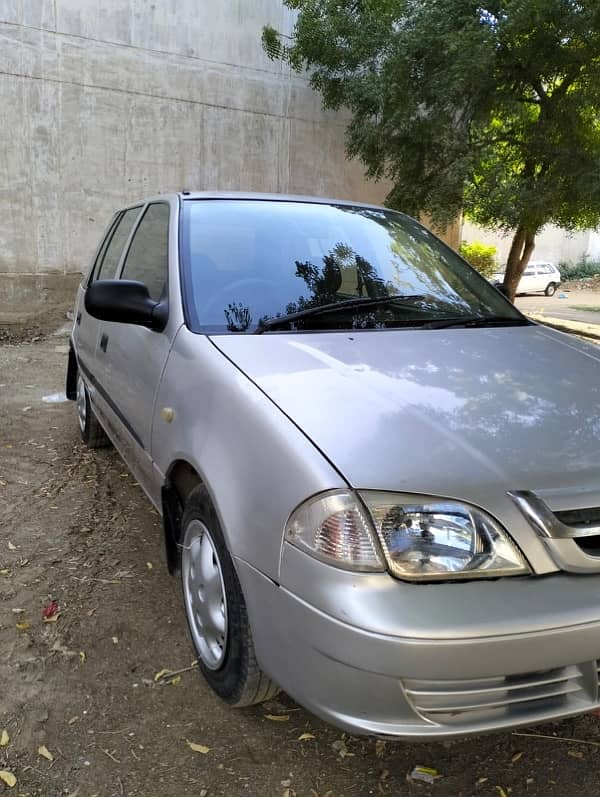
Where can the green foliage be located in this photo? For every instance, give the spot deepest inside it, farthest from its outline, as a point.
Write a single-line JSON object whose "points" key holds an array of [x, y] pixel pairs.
{"points": [[492, 108], [581, 269], [481, 256]]}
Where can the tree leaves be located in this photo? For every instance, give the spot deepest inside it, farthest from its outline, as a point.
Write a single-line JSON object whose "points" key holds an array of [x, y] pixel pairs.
{"points": [[494, 110]]}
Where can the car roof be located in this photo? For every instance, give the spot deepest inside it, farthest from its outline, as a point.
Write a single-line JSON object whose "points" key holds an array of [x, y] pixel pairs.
{"points": [[261, 197]]}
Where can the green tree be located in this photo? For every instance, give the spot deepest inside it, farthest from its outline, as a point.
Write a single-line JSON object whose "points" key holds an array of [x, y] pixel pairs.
{"points": [[481, 256], [487, 107]]}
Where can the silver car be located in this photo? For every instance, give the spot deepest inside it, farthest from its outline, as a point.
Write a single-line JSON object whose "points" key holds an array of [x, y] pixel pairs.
{"points": [[380, 483]]}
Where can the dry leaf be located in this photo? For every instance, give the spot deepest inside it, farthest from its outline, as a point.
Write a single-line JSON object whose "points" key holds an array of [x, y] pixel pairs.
{"points": [[198, 748], [5, 571], [425, 774], [149, 565], [50, 611], [8, 778], [516, 757], [575, 753], [341, 748], [175, 680], [501, 791], [4, 738], [380, 748], [304, 737], [482, 780], [23, 626], [45, 753], [82, 656], [11, 547], [277, 717], [161, 674], [52, 619]]}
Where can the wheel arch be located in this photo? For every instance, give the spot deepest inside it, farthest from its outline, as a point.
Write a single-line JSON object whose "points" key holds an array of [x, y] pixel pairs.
{"points": [[72, 368], [182, 477]]}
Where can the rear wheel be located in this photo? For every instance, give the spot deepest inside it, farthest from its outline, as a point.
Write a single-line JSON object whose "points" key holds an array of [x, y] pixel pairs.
{"points": [[216, 610], [92, 433], [550, 289]]}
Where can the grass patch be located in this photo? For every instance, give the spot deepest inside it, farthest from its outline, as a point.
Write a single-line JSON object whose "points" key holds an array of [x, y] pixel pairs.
{"points": [[585, 308]]}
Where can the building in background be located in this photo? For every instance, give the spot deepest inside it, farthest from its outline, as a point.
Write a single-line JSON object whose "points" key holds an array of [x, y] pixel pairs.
{"points": [[107, 102], [552, 243]]}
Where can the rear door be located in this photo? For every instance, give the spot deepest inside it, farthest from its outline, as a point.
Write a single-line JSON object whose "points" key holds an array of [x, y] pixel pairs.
{"points": [[130, 359], [86, 328]]}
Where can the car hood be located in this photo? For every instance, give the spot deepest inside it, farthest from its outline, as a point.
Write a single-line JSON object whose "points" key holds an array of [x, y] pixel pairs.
{"points": [[463, 413]]}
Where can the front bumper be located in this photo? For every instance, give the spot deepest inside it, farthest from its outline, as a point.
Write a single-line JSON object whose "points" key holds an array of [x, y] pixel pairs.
{"points": [[375, 656]]}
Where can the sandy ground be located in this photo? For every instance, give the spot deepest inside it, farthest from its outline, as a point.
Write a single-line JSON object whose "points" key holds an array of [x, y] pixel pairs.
{"points": [[577, 305], [75, 528]]}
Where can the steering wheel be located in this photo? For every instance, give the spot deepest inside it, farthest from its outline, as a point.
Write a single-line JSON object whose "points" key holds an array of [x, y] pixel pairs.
{"points": [[225, 293]]}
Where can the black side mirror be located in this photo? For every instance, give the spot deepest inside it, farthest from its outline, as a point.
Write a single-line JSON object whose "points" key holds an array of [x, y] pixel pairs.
{"points": [[500, 286], [125, 301]]}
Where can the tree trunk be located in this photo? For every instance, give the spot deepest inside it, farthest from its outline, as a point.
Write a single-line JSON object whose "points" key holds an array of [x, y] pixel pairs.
{"points": [[523, 244]]}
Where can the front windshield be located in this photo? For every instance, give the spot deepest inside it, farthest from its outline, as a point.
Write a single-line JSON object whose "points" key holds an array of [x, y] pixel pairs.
{"points": [[247, 262]]}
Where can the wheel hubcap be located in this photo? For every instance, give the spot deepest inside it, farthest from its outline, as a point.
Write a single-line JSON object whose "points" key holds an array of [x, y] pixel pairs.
{"points": [[204, 594], [81, 404]]}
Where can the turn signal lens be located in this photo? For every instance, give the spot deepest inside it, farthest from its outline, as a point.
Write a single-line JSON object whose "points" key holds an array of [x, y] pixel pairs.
{"points": [[334, 527]]}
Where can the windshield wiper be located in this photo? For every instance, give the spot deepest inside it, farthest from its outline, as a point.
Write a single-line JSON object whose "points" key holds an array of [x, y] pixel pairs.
{"points": [[334, 307], [476, 321]]}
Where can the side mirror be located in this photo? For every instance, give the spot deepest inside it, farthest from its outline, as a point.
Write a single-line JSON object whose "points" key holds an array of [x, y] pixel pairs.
{"points": [[126, 302], [502, 288]]}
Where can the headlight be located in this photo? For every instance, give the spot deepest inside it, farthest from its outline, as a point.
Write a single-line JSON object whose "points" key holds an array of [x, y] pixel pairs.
{"points": [[336, 528], [426, 539]]}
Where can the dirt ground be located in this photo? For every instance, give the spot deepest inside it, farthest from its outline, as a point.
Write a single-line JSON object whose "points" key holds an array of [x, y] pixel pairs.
{"points": [[75, 528]]}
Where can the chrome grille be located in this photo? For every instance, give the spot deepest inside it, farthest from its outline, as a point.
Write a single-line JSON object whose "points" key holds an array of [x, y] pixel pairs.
{"points": [[579, 517], [510, 697]]}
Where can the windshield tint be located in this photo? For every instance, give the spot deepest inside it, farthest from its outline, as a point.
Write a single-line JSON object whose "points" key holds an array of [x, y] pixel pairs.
{"points": [[246, 262]]}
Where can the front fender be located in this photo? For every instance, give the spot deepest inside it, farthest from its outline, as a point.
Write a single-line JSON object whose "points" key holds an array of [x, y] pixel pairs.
{"points": [[257, 465]]}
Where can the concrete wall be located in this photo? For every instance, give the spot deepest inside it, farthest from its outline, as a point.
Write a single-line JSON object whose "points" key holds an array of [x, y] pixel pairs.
{"points": [[106, 102]]}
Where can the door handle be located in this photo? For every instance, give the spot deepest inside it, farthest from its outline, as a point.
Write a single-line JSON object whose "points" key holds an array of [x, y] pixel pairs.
{"points": [[103, 341]]}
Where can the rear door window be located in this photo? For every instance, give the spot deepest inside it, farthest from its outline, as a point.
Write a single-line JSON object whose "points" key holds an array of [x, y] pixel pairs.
{"points": [[110, 254], [148, 256]]}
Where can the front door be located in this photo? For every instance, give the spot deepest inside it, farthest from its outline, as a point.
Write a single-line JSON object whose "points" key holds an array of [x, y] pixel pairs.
{"points": [[130, 359], [86, 328]]}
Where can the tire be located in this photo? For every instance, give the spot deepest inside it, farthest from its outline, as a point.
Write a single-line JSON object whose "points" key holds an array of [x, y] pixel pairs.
{"points": [[550, 289], [223, 645], [92, 433]]}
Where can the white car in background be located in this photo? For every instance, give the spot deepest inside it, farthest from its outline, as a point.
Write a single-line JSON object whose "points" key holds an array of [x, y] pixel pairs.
{"points": [[538, 276]]}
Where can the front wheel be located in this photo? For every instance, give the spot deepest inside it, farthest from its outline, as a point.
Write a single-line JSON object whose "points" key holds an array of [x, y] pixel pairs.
{"points": [[92, 433], [550, 289], [216, 610]]}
